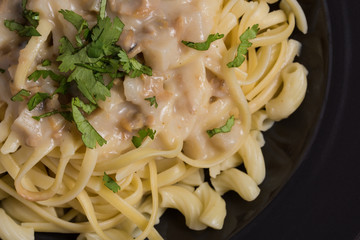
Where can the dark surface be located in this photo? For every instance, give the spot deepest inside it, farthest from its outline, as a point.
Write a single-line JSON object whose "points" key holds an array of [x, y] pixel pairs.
{"points": [[320, 143]]}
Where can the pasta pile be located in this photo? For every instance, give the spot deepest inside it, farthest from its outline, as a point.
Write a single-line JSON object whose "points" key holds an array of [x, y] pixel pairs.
{"points": [[52, 181]]}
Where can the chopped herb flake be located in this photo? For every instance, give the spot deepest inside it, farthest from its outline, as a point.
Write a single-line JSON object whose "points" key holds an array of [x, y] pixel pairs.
{"points": [[36, 99], [48, 114], [46, 63], [203, 46], [23, 31], [19, 97], [224, 129], [242, 50], [110, 183], [143, 133], [132, 67], [89, 135], [87, 108], [152, 101]]}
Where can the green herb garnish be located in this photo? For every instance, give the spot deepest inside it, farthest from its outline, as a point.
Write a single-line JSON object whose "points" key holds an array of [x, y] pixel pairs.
{"points": [[32, 17], [87, 108], [143, 133], [110, 183], [83, 68], [46, 63], [25, 30], [44, 74], [242, 50], [2, 70], [224, 129], [132, 67], [48, 114], [152, 101], [19, 97], [36, 99], [89, 135], [203, 46]]}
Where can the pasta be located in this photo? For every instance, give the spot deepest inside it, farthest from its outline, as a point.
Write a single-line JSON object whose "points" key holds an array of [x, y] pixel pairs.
{"points": [[166, 117]]}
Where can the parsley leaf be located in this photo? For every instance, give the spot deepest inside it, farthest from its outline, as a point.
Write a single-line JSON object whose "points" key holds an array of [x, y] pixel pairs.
{"points": [[66, 114], [88, 108], [104, 35], [89, 135], [92, 89], [224, 129], [65, 46], [143, 133], [152, 101], [44, 74], [36, 99], [19, 97], [79, 23], [110, 183], [242, 50], [2, 70], [46, 63], [48, 114], [63, 87], [32, 17], [23, 31], [203, 46], [102, 9], [132, 67]]}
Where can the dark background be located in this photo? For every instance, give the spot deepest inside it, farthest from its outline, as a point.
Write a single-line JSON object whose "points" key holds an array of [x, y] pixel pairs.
{"points": [[322, 198]]}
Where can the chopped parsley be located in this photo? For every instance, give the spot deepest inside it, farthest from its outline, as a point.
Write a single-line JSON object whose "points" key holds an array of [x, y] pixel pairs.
{"points": [[46, 63], [48, 114], [132, 67], [89, 135], [87, 108], [242, 50], [152, 101], [25, 30], [2, 70], [32, 17], [65, 114], [37, 99], [44, 74], [82, 68], [224, 129], [203, 46], [110, 183], [143, 133], [19, 97]]}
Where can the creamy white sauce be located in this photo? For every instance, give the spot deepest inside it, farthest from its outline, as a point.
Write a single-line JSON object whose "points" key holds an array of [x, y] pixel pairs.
{"points": [[153, 28]]}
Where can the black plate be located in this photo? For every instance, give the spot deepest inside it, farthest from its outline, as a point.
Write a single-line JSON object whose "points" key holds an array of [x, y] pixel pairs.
{"points": [[313, 166]]}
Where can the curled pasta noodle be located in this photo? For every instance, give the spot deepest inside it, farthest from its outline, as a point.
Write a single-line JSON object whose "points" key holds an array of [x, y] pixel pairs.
{"points": [[178, 198], [238, 181], [214, 209], [253, 159], [294, 88], [261, 121]]}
